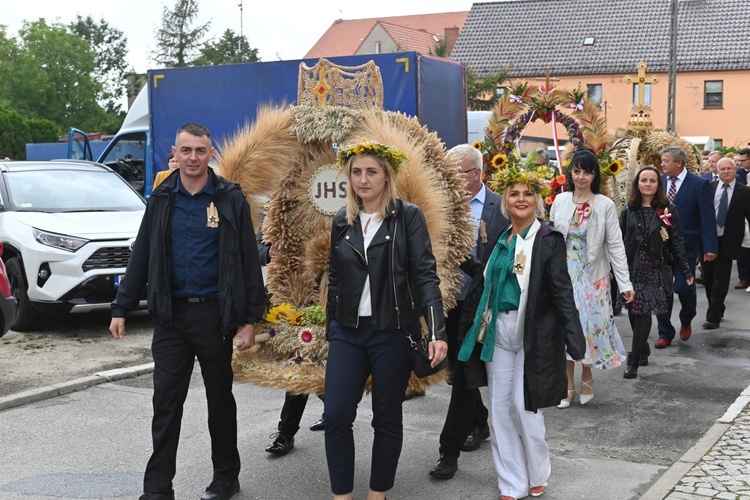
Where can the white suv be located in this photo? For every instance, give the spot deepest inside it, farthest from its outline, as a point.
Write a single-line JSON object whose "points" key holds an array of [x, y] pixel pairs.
{"points": [[67, 228]]}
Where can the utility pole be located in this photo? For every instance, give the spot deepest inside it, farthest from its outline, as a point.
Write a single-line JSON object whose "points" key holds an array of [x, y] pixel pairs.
{"points": [[241, 31], [672, 89]]}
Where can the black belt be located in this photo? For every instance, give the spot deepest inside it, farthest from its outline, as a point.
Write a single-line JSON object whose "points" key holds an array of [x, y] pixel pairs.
{"points": [[196, 300]]}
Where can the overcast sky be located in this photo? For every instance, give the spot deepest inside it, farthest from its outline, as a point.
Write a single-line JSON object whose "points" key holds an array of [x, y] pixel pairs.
{"points": [[279, 29]]}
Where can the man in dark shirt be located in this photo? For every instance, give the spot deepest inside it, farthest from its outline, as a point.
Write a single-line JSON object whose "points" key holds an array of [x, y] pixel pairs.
{"points": [[197, 257]]}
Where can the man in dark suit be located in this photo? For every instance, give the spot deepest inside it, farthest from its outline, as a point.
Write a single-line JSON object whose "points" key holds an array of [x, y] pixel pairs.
{"points": [[691, 195], [466, 410], [713, 160], [742, 160], [732, 202]]}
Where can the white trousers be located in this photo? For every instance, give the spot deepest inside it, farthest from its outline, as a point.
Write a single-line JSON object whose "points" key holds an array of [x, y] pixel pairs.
{"points": [[519, 450]]}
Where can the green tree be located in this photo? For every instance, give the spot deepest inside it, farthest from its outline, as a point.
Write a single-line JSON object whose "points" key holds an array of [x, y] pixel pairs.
{"points": [[226, 51], [42, 130], [14, 134], [178, 41], [482, 94], [440, 49], [110, 51], [52, 77]]}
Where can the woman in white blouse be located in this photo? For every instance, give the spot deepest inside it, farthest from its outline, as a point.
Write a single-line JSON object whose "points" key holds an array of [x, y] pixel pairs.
{"points": [[589, 222]]}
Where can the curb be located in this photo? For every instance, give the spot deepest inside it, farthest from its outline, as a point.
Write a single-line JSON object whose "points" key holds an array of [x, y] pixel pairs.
{"points": [[78, 384], [666, 483]]}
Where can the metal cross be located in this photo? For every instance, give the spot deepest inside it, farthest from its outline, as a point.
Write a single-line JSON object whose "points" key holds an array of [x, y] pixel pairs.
{"points": [[641, 81]]}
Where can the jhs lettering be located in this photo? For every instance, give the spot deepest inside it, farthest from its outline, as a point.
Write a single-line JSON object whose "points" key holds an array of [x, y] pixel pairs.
{"points": [[331, 190]]}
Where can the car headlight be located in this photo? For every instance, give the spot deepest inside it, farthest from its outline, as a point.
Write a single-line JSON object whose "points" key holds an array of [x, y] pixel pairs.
{"points": [[60, 241]]}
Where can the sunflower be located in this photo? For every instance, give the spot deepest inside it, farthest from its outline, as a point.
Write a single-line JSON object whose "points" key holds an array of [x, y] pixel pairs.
{"points": [[615, 167], [477, 145], [282, 312], [296, 319], [499, 160]]}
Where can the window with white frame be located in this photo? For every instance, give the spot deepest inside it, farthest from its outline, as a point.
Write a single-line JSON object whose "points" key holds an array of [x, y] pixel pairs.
{"points": [[594, 93], [713, 95], [646, 94]]}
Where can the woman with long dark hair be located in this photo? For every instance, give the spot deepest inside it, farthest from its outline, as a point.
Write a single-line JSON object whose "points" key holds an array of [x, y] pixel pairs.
{"points": [[653, 239], [588, 220]]}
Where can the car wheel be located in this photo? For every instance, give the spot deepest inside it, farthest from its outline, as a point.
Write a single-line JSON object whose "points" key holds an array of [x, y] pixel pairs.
{"points": [[25, 317]]}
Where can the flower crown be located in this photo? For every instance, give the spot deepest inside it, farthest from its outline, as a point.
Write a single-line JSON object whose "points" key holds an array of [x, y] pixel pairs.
{"points": [[387, 153], [503, 179]]}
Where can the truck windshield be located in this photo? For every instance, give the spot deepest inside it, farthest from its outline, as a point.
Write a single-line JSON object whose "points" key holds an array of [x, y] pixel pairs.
{"points": [[127, 157], [60, 190]]}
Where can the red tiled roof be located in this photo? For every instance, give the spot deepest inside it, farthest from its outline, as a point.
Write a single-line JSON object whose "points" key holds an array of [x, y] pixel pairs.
{"points": [[344, 37], [409, 39]]}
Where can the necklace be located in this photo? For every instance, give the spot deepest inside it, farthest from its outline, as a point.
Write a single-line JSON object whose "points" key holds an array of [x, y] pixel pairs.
{"points": [[584, 201]]}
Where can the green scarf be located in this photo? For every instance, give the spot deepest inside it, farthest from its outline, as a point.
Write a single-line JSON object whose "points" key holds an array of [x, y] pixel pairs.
{"points": [[499, 269]]}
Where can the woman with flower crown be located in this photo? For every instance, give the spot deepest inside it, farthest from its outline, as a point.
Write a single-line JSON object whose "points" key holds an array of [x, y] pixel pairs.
{"points": [[588, 221], [382, 279], [520, 317], [653, 238]]}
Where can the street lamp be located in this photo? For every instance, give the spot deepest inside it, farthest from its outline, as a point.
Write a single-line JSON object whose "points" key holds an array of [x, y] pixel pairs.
{"points": [[672, 88]]}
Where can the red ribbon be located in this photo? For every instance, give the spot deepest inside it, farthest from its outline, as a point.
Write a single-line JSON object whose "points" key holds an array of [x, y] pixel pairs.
{"points": [[665, 218]]}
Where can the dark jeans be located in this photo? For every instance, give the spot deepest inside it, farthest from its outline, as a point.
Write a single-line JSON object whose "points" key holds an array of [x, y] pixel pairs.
{"points": [[688, 301], [353, 355], [716, 276], [466, 409], [195, 332]]}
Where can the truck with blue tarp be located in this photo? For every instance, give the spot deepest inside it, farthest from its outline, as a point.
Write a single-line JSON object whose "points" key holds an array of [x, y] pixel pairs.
{"points": [[223, 98]]}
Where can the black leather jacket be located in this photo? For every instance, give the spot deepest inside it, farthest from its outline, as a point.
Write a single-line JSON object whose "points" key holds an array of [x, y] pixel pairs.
{"points": [[635, 235], [403, 280]]}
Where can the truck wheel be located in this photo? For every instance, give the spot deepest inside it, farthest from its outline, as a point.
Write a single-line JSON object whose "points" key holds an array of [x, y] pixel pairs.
{"points": [[25, 317]]}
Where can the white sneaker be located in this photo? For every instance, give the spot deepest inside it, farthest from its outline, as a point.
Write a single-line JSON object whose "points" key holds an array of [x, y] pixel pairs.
{"points": [[747, 289]]}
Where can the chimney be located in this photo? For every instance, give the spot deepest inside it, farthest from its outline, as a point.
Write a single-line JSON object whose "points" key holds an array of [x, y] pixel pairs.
{"points": [[451, 34]]}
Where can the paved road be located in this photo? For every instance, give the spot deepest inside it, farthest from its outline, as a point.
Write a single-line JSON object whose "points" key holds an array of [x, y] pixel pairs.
{"points": [[94, 443]]}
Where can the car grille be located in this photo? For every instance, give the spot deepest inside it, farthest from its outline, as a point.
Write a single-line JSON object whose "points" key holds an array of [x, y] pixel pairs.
{"points": [[107, 258]]}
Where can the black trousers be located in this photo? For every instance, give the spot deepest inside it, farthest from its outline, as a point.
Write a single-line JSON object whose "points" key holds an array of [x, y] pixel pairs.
{"points": [[716, 276], [353, 356], [195, 332], [466, 409], [291, 413], [743, 264]]}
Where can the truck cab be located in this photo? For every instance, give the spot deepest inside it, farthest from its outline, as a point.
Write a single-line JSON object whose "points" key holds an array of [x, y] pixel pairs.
{"points": [[128, 152]]}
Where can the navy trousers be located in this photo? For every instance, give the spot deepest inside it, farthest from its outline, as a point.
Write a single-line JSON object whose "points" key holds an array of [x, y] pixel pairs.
{"points": [[195, 332], [354, 355], [688, 300]]}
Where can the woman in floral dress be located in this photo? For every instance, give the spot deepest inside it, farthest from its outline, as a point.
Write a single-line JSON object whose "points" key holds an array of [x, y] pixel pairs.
{"points": [[589, 222], [653, 239]]}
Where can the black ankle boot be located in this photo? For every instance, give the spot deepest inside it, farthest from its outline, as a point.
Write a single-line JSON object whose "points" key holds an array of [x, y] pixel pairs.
{"points": [[632, 369]]}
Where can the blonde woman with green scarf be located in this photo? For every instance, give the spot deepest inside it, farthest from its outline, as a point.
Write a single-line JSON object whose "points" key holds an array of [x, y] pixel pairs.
{"points": [[520, 317]]}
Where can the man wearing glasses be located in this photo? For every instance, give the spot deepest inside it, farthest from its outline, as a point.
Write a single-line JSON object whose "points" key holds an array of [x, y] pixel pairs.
{"points": [[742, 160]]}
